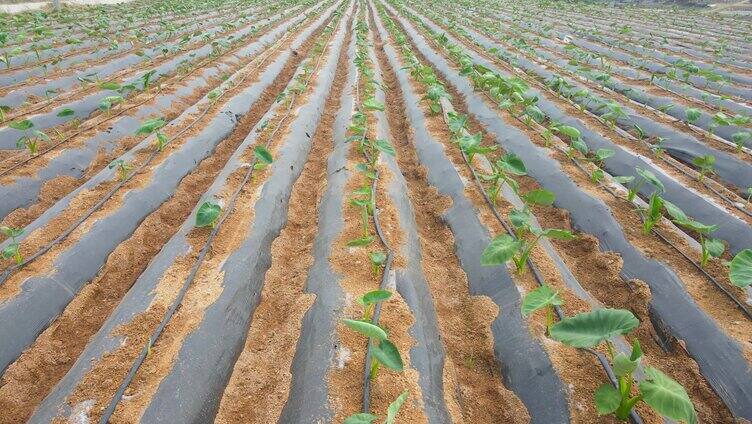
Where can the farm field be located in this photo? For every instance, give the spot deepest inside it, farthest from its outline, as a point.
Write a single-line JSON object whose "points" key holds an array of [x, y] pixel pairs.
{"points": [[375, 211]]}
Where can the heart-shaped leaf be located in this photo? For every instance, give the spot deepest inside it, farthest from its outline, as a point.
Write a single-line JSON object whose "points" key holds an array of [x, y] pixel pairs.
{"points": [[374, 297], [539, 197], [667, 397], [741, 268], [387, 354], [501, 250], [207, 214], [607, 399], [540, 298], [589, 329]]}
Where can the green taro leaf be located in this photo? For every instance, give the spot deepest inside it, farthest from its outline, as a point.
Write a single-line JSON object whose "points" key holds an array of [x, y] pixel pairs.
{"points": [[520, 218], [589, 329], [359, 242], [394, 407], [540, 298], [374, 297], [715, 247], [557, 234], [607, 399], [539, 197], [741, 268], [501, 250], [571, 132], [361, 418], [262, 155], [109, 86], [674, 211], [10, 250], [373, 104], [651, 178], [377, 258], [388, 355], [696, 226], [11, 231], [667, 397], [21, 125], [384, 146], [692, 115], [65, 112], [150, 125], [207, 214], [366, 328], [513, 164]]}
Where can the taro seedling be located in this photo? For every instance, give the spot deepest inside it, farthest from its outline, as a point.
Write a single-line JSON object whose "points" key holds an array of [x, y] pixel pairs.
{"points": [[544, 297], [122, 167], [369, 301], [263, 157], [740, 139], [30, 138], [645, 176], [208, 214], [378, 259], [383, 351], [470, 144], [589, 330], [509, 164], [705, 164], [391, 412], [13, 249], [741, 269], [154, 125], [710, 247], [692, 115], [652, 213], [505, 248]]}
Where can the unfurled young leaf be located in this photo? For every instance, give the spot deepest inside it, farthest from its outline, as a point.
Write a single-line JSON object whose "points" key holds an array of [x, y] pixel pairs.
{"points": [[387, 354], [394, 407]]}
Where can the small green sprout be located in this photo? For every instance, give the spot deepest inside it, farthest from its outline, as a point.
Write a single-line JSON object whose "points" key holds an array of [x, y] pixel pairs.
{"points": [[123, 168], [208, 214]]}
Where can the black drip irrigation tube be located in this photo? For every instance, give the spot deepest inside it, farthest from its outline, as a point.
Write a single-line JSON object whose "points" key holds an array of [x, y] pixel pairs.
{"points": [[194, 268], [71, 228], [718, 356]]}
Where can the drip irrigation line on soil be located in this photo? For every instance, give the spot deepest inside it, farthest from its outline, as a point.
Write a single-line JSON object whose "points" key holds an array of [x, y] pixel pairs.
{"points": [[70, 229], [197, 264]]}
